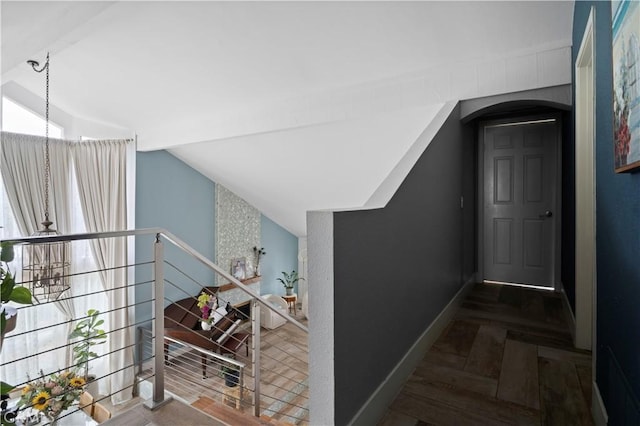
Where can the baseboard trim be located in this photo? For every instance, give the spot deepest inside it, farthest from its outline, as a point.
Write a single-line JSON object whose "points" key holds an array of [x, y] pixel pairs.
{"points": [[598, 410], [376, 406], [568, 313]]}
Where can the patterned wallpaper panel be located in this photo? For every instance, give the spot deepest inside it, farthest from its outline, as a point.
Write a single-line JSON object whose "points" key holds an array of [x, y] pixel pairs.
{"points": [[237, 230]]}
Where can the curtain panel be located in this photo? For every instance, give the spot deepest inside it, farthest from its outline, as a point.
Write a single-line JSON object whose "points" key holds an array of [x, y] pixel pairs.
{"points": [[100, 170], [23, 172], [23, 164]]}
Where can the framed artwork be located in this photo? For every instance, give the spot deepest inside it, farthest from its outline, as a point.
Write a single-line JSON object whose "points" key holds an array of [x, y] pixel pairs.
{"points": [[625, 27], [239, 268]]}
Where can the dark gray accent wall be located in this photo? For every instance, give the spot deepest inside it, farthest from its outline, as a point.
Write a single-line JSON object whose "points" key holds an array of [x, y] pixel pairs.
{"points": [[617, 239], [396, 268]]}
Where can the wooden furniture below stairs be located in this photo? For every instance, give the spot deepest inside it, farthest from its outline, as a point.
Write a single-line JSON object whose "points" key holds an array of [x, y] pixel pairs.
{"points": [[182, 323]]}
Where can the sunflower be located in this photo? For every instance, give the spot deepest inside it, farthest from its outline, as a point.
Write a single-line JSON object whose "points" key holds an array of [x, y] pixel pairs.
{"points": [[77, 382], [53, 394], [41, 400]]}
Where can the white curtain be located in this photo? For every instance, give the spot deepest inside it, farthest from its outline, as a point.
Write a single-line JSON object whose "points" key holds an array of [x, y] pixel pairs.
{"points": [[22, 161], [23, 172], [23, 164], [101, 171]]}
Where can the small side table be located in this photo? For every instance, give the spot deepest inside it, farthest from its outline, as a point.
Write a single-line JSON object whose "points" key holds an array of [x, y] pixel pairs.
{"points": [[291, 300]]}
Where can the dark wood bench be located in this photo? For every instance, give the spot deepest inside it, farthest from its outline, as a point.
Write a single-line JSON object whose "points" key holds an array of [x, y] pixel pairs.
{"points": [[182, 323]]}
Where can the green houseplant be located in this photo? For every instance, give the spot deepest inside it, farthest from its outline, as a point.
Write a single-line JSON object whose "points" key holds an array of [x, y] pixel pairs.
{"points": [[231, 375], [9, 292], [288, 280], [89, 334]]}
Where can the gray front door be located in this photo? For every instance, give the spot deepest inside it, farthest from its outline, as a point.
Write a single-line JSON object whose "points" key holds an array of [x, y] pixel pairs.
{"points": [[519, 202]]}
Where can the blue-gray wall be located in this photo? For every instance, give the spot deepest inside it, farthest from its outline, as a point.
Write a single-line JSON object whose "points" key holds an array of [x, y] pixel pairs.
{"points": [[396, 268], [279, 245], [172, 195], [618, 240]]}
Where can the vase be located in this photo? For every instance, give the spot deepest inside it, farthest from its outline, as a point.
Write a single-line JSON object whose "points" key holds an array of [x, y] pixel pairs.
{"points": [[92, 385], [206, 326], [289, 291], [232, 378], [9, 327], [11, 323]]}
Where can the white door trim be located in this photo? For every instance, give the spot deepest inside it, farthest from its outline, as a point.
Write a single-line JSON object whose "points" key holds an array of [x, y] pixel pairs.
{"points": [[585, 261]]}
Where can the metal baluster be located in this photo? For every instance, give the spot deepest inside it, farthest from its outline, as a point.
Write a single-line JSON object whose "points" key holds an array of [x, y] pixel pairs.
{"points": [[255, 356], [158, 328]]}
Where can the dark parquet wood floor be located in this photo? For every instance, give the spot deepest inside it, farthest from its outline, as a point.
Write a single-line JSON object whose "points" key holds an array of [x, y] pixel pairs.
{"points": [[506, 358]]}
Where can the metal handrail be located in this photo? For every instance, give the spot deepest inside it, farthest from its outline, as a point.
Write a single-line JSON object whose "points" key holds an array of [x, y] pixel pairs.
{"points": [[173, 240], [158, 299]]}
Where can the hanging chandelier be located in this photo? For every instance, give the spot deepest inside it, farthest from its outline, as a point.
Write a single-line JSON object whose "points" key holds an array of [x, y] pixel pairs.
{"points": [[46, 265]]}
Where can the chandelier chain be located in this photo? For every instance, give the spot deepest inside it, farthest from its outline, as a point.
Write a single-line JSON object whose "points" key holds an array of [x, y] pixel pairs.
{"points": [[47, 163], [46, 266]]}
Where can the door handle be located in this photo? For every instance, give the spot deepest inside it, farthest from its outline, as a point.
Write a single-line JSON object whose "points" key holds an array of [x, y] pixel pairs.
{"points": [[548, 213]]}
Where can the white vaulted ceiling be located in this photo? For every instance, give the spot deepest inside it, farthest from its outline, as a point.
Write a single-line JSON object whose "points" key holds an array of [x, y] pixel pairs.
{"points": [[292, 105]]}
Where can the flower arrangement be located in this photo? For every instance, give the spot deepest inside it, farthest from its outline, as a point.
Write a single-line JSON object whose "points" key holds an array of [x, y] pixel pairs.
{"points": [[207, 304], [54, 394]]}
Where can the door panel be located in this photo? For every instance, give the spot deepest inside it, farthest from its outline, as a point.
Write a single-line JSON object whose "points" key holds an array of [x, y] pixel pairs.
{"points": [[502, 241], [519, 201], [533, 247], [503, 180]]}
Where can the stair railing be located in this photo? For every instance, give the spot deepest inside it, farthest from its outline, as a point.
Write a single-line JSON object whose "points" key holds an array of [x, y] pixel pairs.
{"points": [[291, 386]]}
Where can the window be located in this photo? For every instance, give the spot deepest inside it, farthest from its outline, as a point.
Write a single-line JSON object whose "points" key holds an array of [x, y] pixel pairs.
{"points": [[18, 119]]}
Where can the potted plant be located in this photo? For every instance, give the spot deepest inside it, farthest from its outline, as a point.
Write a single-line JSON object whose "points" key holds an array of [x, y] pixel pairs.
{"points": [[9, 292], [207, 303], [90, 335], [231, 375], [288, 280]]}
